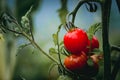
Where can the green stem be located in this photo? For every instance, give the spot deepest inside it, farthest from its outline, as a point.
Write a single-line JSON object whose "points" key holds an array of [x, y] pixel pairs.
{"points": [[106, 7], [35, 44], [80, 3], [113, 47], [76, 10], [40, 49], [58, 47]]}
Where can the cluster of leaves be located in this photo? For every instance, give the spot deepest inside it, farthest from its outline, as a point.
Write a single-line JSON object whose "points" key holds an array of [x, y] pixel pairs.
{"points": [[9, 24]]}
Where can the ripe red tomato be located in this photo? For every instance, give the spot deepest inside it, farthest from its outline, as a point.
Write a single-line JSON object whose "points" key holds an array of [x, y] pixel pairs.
{"points": [[92, 44], [75, 40], [75, 62]]}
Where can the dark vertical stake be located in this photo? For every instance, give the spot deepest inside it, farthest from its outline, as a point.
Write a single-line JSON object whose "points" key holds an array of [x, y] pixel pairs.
{"points": [[106, 7]]}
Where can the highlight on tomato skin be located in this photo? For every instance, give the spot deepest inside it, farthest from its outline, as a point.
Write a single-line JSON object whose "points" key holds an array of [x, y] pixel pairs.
{"points": [[75, 40], [75, 62], [92, 44]]}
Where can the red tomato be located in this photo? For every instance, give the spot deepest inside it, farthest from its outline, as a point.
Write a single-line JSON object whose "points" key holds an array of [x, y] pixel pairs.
{"points": [[92, 44], [75, 62], [75, 40]]}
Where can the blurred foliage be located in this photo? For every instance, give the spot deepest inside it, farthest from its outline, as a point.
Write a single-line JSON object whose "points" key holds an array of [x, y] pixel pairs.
{"points": [[22, 6], [8, 60], [63, 11], [2, 58], [2, 5], [33, 66]]}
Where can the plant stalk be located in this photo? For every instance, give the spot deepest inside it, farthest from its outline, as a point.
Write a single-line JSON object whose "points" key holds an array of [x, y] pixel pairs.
{"points": [[106, 7], [37, 46], [80, 3]]}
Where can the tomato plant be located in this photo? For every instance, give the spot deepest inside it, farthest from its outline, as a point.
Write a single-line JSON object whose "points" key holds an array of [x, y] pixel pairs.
{"points": [[75, 40], [90, 69], [79, 47]]}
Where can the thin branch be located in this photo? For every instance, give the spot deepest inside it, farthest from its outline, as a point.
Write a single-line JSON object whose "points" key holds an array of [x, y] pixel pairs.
{"points": [[32, 41], [80, 3], [29, 38], [76, 10], [13, 31], [113, 47], [58, 48], [39, 48], [31, 32]]}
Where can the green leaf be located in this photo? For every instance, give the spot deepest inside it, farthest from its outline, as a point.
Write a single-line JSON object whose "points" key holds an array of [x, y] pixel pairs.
{"points": [[96, 51], [64, 77], [51, 67], [25, 18], [64, 51], [25, 21], [52, 51], [24, 45], [90, 62], [59, 28], [63, 11], [93, 29], [55, 38], [61, 43]]}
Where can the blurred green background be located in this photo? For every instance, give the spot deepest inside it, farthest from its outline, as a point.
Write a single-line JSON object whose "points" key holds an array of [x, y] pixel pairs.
{"points": [[47, 15]]}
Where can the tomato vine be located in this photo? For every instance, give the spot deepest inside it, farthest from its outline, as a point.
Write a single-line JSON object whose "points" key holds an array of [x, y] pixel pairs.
{"points": [[24, 29]]}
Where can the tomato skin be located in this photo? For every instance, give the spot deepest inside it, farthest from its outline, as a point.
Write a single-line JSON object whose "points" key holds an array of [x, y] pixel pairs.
{"points": [[95, 43], [75, 40], [92, 44], [75, 62]]}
